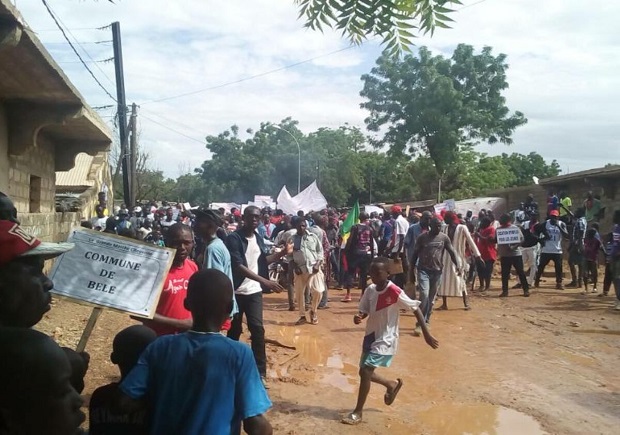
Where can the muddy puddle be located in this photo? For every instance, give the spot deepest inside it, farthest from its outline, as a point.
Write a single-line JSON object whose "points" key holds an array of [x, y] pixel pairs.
{"points": [[477, 419], [318, 352]]}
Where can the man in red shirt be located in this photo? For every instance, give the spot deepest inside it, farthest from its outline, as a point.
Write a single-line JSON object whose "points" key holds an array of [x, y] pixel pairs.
{"points": [[171, 316]]}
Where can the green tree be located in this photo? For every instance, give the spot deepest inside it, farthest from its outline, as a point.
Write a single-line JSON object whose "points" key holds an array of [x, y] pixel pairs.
{"points": [[524, 167], [267, 160], [392, 20], [437, 106]]}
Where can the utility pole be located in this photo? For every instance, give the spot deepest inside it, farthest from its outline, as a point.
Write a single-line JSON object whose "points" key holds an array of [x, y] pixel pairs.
{"points": [[133, 151], [122, 110]]}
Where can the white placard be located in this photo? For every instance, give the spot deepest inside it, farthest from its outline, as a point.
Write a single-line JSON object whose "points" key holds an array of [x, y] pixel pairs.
{"points": [[112, 271], [508, 236]]}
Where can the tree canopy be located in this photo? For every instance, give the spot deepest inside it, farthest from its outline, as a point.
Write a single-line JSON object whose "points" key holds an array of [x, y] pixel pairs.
{"points": [[267, 160], [395, 21], [439, 106]]}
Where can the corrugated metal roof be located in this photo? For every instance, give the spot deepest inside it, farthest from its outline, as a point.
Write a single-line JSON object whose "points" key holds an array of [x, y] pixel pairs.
{"points": [[78, 175]]}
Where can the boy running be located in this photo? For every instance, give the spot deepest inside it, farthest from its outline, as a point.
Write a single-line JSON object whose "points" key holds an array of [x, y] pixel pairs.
{"points": [[381, 304]]}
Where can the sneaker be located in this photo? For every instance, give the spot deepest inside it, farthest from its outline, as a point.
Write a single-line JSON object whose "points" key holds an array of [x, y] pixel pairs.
{"points": [[594, 290], [571, 284], [323, 307], [291, 308], [559, 287], [617, 307], [301, 321], [417, 331], [503, 295]]}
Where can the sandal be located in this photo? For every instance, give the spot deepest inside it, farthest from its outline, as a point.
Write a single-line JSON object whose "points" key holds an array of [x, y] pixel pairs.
{"points": [[347, 298], [389, 398], [352, 419]]}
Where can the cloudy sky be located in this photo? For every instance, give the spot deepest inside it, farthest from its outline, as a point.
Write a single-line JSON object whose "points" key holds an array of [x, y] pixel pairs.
{"points": [[196, 67]]}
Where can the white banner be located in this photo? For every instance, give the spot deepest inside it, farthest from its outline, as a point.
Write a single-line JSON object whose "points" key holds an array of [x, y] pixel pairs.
{"points": [[112, 271], [310, 199], [508, 236]]}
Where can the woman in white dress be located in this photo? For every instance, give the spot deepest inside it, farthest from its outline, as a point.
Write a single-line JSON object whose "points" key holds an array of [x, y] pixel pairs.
{"points": [[454, 284]]}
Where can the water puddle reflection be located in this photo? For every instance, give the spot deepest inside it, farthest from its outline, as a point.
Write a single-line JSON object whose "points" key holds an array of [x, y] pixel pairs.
{"points": [[478, 419], [316, 351]]}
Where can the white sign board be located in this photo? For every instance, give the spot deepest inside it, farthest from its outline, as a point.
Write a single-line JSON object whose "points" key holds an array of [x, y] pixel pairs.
{"points": [[508, 236], [112, 271]]}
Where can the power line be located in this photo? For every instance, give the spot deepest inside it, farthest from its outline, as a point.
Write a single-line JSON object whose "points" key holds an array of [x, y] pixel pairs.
{"points": [[74, 50], [87, 53], [245, 79], [173, 130], [167, 119]]}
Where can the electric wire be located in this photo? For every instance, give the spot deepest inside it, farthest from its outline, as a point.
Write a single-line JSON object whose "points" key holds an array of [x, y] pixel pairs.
{"points": [[75, 51]]}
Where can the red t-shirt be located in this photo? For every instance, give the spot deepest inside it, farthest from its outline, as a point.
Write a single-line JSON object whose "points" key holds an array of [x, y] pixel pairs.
{"points": [[487, 248], [172, 297]]}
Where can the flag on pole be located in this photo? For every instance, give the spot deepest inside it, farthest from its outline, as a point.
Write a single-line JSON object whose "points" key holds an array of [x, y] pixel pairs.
{"points": [[352, 219]]}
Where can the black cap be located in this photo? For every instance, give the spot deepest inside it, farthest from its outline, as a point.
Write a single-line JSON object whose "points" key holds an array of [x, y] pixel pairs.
{"points": [[208, 214], [8, 212]]}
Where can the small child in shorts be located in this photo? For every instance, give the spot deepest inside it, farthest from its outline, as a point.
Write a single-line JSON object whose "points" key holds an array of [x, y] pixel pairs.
{"points": [[381, 304], [105, 418], [591, 248]]}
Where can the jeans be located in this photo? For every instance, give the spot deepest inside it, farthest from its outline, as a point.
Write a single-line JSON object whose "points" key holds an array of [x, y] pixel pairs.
{"points": [[252, 307], [507, 264], [335, 267], [557, 262], [428, 284]]}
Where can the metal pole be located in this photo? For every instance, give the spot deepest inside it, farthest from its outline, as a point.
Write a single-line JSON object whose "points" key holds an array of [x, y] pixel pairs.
{"points": [[298, 157], [122, 109], [133, 151]]}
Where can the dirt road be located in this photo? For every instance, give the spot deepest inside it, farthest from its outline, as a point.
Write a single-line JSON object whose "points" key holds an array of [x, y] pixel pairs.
{"points": [[544, 364]]}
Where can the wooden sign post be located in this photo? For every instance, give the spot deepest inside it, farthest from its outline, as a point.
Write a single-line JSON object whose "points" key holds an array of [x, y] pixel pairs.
{"points": [[110, 271]]}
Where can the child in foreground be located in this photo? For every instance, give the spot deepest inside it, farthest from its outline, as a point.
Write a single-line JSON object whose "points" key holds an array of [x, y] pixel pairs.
{"points": [[381, 304], [200, 382], [105, 418]]}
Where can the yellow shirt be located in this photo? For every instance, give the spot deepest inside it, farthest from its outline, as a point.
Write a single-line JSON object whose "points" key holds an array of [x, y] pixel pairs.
{"points": [[566, 202]]}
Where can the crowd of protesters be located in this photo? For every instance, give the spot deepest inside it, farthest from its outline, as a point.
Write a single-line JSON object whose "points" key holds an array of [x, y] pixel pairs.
{"points": [[184, 371]]}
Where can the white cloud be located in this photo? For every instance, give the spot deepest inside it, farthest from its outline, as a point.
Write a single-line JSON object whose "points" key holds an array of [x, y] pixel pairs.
{"points": [[562, 55]]}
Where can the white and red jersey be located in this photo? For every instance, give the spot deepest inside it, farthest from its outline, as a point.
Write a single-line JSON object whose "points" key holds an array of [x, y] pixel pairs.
{"points": [[383, 309]]}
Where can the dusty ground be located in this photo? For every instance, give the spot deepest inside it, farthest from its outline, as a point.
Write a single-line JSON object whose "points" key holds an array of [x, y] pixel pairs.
{"points": [[547, 364]]}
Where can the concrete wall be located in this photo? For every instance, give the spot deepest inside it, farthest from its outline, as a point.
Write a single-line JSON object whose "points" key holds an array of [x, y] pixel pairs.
{"points": [[608, 188], [35, 161], [49, 227], [4, 152]]}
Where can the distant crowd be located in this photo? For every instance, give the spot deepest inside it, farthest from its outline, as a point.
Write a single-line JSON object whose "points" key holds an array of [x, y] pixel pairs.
{"points": [[184, 371]]}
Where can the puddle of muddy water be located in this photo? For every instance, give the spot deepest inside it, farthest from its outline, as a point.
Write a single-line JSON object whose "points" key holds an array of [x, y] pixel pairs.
{"points": [[478, 419], [316, 351]]}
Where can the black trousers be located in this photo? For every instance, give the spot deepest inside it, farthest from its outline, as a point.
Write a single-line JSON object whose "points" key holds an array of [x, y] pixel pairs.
{"points": [[591, 273], [358, 261], [507, 264], [485, 271], [252, 307], [557, 262]]}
